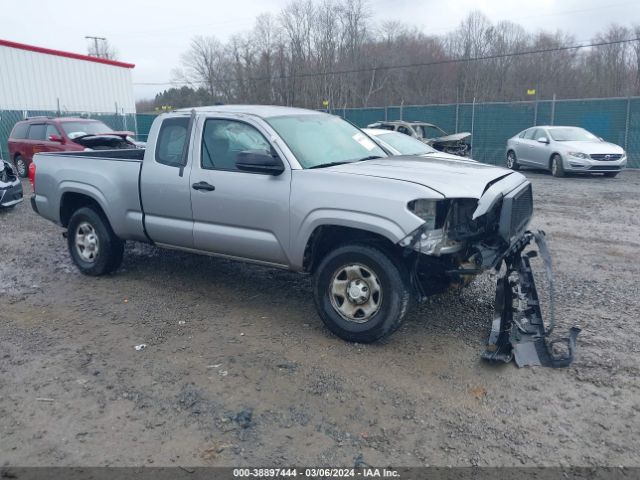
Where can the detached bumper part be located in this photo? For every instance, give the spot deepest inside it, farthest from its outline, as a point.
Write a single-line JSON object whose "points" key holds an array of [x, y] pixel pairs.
{"points": [[519, 333]]}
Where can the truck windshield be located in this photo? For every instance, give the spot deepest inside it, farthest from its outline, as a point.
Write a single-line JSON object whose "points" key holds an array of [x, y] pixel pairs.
{"points": [[323, 140], [79, 129]]}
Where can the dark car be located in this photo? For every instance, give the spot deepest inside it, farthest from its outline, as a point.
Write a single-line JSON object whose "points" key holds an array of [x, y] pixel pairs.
{"points": [[46, 134]]}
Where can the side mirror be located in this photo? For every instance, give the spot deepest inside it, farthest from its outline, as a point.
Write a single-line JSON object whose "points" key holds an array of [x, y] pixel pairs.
{"points": [[259, 161], [55, 138], [543, 140]]}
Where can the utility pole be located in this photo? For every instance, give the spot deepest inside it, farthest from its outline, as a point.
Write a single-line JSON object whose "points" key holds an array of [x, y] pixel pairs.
{"points": [[95, 43]]}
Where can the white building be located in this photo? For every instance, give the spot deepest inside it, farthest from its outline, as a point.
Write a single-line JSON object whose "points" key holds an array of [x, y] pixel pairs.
{"points": [[42, 79]]}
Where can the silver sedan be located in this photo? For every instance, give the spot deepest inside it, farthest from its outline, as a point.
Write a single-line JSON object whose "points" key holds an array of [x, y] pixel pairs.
{"points": [[564, 150]]}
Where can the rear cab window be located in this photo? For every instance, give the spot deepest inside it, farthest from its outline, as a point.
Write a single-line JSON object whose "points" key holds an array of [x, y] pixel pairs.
{"points": [[171, 141]]}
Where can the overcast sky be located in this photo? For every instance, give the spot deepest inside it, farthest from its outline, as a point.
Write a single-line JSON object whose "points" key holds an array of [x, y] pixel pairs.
{"points": [[153, 33]]}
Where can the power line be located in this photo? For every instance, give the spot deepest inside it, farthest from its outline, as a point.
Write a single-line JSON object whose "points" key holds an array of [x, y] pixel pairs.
{"points": [[410, 65]]}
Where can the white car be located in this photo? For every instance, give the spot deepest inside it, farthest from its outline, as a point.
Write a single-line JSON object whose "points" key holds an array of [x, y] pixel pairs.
{"points": [[564, 150], [401, 144]]}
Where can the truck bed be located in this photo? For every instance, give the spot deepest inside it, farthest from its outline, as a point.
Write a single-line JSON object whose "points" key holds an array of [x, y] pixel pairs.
{"points": [[111, 177]]}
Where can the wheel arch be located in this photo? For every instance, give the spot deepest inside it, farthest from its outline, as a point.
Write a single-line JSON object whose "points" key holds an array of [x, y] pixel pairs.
{"points": [[327, 237], [71, 201]]}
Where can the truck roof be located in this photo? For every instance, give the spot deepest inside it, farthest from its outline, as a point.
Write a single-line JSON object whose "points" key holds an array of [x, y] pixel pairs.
{"points": [[263, 111]]}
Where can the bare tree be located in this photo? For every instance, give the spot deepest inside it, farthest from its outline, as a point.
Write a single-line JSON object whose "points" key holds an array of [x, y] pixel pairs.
{"points": [[331, 50]]}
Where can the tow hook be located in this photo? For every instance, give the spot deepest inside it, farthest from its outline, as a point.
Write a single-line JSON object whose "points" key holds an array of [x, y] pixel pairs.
{"points": [[518, 330]]}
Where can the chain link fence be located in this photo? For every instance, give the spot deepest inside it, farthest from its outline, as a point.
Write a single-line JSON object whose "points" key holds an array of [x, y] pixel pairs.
{"points": [[8, 118]]}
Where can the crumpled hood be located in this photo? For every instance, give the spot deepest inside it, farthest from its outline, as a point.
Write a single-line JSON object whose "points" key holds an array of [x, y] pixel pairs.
{"points": [[455, 137], [452, 178], [592, 147]]}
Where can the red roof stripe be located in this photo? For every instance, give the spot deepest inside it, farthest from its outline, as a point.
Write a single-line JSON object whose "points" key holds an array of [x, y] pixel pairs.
{"points": [[60, 53]]}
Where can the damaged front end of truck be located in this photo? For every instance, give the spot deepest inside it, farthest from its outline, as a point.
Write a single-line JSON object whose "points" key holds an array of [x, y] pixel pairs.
{"points": [[464, 237]]}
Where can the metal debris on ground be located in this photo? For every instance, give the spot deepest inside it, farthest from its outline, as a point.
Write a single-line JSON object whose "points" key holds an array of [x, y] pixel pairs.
{"points": [[523, 336], [142, 346]]}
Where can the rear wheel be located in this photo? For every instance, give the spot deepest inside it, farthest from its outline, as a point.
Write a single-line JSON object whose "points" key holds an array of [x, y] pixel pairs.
{"points": [[361, 293], [611, 174], [557, 169], [94, 247], [512, 161], [21, 166]]}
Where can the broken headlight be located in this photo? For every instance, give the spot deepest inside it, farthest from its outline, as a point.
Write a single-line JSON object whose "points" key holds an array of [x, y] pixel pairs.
{"points": [[433, 212]]}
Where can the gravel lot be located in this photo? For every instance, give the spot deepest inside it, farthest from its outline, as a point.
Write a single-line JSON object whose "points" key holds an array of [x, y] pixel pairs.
{"points": [[240, 371]]}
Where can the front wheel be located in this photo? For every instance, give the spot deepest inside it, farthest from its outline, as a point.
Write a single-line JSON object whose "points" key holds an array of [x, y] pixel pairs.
{"points": [[361, 293], [557, 169], [94, 247]]}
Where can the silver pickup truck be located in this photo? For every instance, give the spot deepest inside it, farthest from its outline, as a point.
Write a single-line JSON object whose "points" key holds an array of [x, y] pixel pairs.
{"points": [[293, 189]]}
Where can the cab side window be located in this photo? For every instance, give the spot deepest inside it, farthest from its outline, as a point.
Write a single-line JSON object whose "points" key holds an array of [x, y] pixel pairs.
{"points": [[223, 140], [529, 135], [171, 141]]}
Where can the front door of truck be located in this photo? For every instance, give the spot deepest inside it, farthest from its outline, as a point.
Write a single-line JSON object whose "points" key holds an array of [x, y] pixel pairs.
{"points": [[164, 188], [237, 213]]}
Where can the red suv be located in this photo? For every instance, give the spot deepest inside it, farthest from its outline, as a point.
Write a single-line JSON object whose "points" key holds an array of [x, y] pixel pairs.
{"points": [[47, 134]]}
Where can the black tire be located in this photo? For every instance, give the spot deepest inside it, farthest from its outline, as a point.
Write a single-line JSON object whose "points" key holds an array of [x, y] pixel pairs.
{"points": [[394, 295], [512, 160], [21, 166], [110, 248], [611, 174], [556, 167]]}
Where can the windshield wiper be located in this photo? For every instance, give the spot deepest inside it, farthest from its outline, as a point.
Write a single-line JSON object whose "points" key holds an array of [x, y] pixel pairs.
{"points": [[333, 164], [330, 164], [370, 157]]}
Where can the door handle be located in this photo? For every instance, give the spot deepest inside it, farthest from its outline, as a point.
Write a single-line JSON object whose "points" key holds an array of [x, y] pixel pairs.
{"points": [[203, 186]]}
